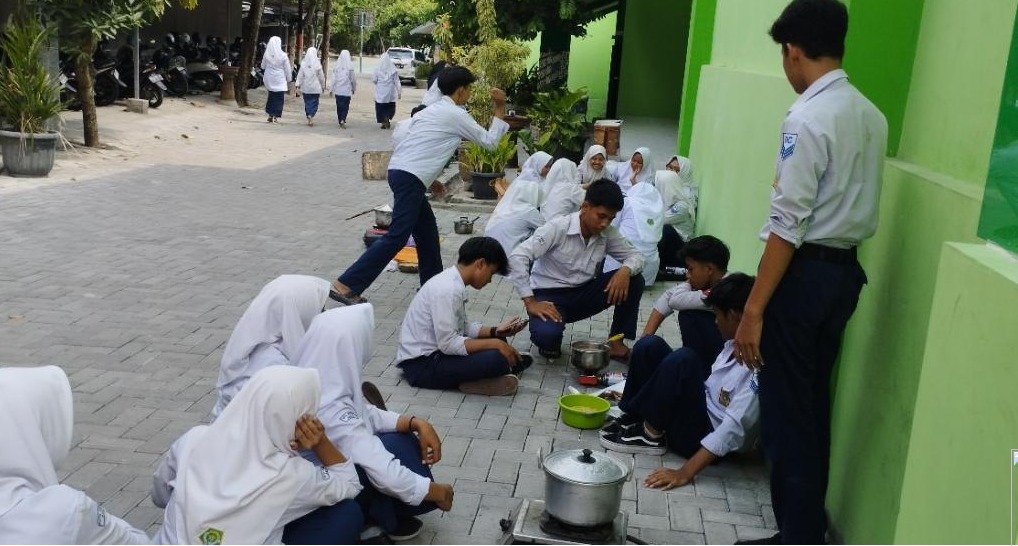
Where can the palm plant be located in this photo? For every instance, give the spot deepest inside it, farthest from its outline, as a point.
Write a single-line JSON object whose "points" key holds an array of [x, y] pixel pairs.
{"points": [[482, 160], [29, 96]]}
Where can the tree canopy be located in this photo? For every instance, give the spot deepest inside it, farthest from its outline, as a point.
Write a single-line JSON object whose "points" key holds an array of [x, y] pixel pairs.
{"points": [[522, 19]]}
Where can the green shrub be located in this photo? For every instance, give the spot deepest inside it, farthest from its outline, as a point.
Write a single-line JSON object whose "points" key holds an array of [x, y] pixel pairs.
{"points": [[29, 96]]}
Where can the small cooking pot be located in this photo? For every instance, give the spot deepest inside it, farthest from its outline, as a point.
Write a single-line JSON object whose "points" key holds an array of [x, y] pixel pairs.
{"points": [[583, 488], [383, 217], [464, 226], [589, 356]]}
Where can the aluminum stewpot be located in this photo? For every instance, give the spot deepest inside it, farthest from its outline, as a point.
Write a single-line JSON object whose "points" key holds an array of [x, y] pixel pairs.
{"points": [[582, 487]]}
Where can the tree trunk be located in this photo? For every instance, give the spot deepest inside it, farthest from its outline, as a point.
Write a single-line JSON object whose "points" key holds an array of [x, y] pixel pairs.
{"points": [[86, 92], [252, 23], [326, 35], [553, 65]]}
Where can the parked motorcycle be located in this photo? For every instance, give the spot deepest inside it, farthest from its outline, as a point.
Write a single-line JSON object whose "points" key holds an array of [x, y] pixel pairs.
{"points": [[151, 86]]}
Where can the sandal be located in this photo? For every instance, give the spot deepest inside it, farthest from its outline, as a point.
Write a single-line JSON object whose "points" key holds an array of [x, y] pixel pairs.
{"points": [[346, 299]]}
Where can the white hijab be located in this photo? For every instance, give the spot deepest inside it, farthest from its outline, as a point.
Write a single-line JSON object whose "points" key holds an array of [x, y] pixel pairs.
{"points": [[274, 54], [565, 194], [433, 95], [587, 173], [643, 217], [532, 167], [279, 315], [339, 344], [522, 197], [679, 199], [344, 64], [36, 422], [646, 174], [239, 474], [311, 64], [385, 68]]}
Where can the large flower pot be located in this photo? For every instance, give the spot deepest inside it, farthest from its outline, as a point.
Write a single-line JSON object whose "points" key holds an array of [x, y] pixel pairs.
{"points": [[28, 155], [483, 185]]}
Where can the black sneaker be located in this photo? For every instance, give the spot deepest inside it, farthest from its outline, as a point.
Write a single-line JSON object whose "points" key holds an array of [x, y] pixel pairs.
{"points": [[406, 529], [621, 424], [550, 354], [634, 440], [372, 395], [525, 362]]}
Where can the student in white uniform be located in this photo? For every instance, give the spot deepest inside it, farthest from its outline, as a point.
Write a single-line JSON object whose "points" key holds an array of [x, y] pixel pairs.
{"points": [[388, 90], [241, 480], [595, 165], [310, 83], [825, 202], [432, 137], [679, 195], [564, 191], [555, 273], [536, 168], [36, 421], [392, 463], [343, 82], [640, 222], [516, 216], [669, 403], [639, 168], [706, 261], [277, 72], [439, 349], [269, 332]]}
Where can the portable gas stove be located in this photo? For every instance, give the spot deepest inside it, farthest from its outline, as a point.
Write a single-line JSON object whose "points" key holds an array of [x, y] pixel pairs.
{"points": [[532, 525]]}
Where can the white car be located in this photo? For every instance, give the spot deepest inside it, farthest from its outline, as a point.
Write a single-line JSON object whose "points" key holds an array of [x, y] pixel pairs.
{"points": [[406, 61]]}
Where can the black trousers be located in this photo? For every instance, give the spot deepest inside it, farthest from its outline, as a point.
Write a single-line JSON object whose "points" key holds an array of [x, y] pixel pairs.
{"points": [[669, 247], [802, 332]]}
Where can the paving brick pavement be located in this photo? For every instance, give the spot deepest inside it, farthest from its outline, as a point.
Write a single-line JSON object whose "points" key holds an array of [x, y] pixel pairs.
{"points": [[133, 281]]}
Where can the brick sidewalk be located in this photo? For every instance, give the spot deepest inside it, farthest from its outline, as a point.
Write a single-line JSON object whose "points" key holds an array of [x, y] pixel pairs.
{"points": [[132, 283]]}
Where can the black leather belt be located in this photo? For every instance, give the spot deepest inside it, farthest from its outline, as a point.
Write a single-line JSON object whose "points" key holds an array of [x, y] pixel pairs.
{"points": [[827, 253]]}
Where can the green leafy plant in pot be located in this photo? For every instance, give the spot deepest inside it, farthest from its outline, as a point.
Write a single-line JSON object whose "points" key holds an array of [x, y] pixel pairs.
{"points": [[561, 125], [421, 75], [487, 166], [29, 98]]}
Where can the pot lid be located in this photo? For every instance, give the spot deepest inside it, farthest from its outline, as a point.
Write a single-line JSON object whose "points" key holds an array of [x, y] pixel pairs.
{"points": [[585, 467], [383, 208]]}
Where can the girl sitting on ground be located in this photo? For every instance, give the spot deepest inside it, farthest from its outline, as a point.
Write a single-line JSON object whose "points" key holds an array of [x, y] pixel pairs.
{"points": [[36, 421]]}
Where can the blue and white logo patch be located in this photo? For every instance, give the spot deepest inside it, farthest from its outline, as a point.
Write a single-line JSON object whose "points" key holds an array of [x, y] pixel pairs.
{"points": [[788, 141]]}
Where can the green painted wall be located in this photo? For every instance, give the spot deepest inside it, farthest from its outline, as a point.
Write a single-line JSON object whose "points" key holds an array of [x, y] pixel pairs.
{"points": [[999, 220], [957, 482], [884, 72], [698, 53], [589, 63], [931, 195], [653, 58]]}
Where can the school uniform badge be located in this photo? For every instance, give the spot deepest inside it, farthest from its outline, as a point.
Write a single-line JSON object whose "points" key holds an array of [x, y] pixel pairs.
{"points": [[211, 536], [725, 398], [788, 141]]}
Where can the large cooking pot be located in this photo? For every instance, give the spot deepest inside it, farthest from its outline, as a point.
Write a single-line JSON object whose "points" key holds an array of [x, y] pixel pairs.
{"points": [[589, 356], [583, 488], [383, 216]]}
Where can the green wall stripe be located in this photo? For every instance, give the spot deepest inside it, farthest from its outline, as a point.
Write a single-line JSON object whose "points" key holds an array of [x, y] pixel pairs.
{"points": [[701, 40]]}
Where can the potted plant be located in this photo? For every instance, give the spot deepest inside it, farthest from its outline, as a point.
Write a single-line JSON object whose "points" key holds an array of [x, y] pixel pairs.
{"points": [[421, 75], [29, 98], [488, 165], [559, 116]]}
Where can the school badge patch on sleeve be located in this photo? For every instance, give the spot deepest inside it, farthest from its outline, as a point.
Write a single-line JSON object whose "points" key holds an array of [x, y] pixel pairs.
{"points": [[788, 141], [211, 536]]}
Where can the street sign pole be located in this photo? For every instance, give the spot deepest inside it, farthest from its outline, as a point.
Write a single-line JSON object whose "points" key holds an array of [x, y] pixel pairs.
{"points": [[360, 57]]}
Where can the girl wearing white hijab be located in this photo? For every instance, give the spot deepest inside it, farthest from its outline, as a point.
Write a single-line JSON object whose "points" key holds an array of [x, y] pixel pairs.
{"points": [[344, 85], [565, 194], [639, 168], [679, 196], [595, 165], [36, 420], [277, 68], [536, 167], [269, 332], [390, 459], [641, 221], [310, 83], [387, 90], [516, 216], [240, 480]]}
